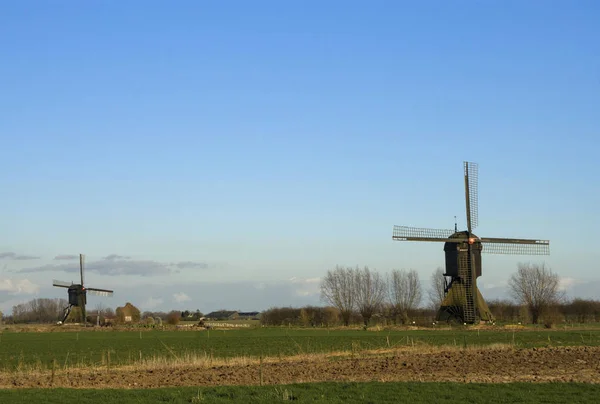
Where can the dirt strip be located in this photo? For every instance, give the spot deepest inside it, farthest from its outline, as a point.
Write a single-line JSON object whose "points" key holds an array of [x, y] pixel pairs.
{"points": [[565, 364]]}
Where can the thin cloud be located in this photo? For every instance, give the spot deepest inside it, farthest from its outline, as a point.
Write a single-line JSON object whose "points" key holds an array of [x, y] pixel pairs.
{"points": [[66, 257], [115, 265], [568, 283], [108, 267], [14, 256], [17, 287], [191, 265], [306, 286], [114, 257], [181, 297], [152, 303]]}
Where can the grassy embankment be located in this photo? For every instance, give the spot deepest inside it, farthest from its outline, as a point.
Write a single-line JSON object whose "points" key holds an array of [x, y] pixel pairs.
{"points": [[27, 350]]}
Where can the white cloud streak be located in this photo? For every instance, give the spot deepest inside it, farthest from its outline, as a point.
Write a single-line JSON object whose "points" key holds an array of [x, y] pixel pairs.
{"points": [[18, 287], [181, 297]]}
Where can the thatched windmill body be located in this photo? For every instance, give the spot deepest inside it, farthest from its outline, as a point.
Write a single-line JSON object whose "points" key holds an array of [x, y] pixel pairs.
{"points": [[462, 300], [77, 293]]}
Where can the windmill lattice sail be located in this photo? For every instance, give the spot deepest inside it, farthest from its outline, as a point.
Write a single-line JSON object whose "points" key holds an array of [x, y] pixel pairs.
{"points": [[62, 284], [516, 248], [472, 174], [406, 233]]}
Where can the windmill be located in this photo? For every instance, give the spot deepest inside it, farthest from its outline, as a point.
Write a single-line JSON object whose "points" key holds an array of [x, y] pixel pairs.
{"points": [[462, 300], [77, 293]]}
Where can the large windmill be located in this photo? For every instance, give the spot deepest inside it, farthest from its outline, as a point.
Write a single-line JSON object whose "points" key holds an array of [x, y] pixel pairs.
{"points": [[462, 300], [77, 293]]}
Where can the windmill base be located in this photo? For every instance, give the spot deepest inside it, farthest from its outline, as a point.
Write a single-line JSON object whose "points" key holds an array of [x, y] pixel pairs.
{"points": [[452, 308]]}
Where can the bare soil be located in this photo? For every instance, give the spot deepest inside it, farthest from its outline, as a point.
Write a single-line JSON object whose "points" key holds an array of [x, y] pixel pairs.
{"points": [[555, 364]]}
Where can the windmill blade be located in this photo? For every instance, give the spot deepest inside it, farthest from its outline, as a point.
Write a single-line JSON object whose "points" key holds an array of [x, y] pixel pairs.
{"points": [[515, 246], [99, 292], [472, 193], [61, 284], [81, 261], [405, 233]]}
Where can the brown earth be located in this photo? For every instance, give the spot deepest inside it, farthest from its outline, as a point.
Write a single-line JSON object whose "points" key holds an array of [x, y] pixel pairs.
{"points": [[557, 364]]}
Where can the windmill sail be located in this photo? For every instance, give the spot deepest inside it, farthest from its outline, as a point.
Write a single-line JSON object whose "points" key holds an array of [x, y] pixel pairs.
{"points": [[515, 246], [99, 292], [81, 261], [472, 194], [61, 284], [405, 233]]}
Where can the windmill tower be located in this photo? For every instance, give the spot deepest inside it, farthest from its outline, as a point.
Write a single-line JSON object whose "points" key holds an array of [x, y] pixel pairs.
{"points": [[77, 293], [462, 300]]}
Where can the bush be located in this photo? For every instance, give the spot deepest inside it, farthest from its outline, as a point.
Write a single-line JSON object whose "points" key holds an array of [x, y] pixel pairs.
{"points": [[552, 316], [174, 317], [308, 316]]}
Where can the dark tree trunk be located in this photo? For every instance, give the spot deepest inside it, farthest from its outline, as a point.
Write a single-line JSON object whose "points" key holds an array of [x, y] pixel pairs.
{"points": [[346, 317], [535, 315]]}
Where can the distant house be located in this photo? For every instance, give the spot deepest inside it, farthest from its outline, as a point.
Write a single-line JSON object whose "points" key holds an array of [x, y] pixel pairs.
{"points": [[248, 315], [233, 315], [221, 315]]}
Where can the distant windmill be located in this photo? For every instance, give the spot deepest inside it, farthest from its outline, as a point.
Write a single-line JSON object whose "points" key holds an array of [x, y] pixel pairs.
{"points": [[462, 300], [77, 293]]}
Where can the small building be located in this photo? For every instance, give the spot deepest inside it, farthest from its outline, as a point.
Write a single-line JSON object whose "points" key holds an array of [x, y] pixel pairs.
{"points": [[248, 315], [233, 315]]}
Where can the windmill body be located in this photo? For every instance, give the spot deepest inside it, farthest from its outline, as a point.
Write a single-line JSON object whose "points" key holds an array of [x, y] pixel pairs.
{"points": [[462, 300], [78, 293]]}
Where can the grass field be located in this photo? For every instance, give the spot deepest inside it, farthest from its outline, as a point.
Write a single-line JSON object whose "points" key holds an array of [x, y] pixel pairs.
{"points": [[20, 350], [323, 392]]}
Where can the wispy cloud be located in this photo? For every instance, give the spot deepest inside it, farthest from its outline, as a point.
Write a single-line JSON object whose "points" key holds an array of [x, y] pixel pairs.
{"points": [[112, 265], [306, 286], [66, 257], [108, 267], [114, 257], [568, 283], [15, 256], [21, 286], [181, 297], [191, 265], [152, 303]]}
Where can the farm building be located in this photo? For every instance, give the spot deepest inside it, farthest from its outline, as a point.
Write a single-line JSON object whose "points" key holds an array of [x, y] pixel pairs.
{"points": [[233, 315]]}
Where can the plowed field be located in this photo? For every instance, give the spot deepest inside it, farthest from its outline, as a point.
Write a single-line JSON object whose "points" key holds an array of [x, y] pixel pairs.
{"points": [[559, 364]]}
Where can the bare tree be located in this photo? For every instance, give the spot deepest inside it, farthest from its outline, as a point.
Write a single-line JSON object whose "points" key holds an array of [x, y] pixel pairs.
{"points": [[536, 287], [99, 312], [337, 288], [404, 292], [370, 292], [39, 310], [436, 290]]}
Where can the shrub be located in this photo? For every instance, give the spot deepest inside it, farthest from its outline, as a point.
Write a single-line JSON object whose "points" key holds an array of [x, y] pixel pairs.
{"points": [[174, 317]]}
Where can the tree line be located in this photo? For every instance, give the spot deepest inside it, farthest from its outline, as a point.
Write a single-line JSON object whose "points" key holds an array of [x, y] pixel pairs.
{"points": [[397, 296], [361, 295], [45, 310]]}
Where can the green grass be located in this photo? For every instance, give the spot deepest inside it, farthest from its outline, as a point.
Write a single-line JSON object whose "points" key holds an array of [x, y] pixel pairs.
{"points": [[126, 347], [372, 392]]}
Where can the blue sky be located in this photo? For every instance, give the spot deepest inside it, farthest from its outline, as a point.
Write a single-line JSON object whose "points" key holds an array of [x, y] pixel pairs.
{"points": [[267, 142]]}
